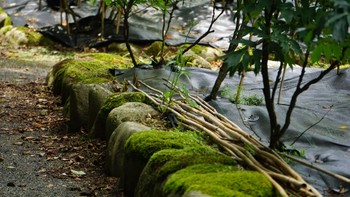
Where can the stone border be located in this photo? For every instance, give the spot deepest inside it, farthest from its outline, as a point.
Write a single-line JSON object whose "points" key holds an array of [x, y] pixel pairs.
{"points": [[151, 162]]}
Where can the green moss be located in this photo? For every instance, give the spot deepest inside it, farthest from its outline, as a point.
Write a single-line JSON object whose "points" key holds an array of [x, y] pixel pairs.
{"points": [[219, 181], [88, 69], [145, 144], [111, 102], [154, 49], [118, 99], [217, 190], [166, 162], [121, 48], [5, 20], [197, 49], [58, 71], [110, 60], [35, 38], [5, 29]]}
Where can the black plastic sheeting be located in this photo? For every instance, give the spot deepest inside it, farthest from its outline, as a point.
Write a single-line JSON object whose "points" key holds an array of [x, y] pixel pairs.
{"points": [[326, 144], [145, 24]]}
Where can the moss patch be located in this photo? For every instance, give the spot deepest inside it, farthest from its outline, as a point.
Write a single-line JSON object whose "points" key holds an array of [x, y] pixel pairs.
{"points": [[145, 144], [219, 181], [87, 68], [4, 18], [111, 102], [118, 99], [35, 38], [166, 162], [155, 48], [141, 146]]}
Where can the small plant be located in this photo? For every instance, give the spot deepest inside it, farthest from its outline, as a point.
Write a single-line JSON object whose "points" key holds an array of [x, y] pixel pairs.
{"points": [[242, 99], [252, 100], [179, 62]]}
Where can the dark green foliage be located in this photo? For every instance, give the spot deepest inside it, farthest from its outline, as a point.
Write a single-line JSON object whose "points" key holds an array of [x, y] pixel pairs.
{"points": [[298, 32]]}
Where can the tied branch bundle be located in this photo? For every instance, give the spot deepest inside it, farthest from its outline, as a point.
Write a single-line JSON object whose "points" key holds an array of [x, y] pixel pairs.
{"points": [[240, 145]]}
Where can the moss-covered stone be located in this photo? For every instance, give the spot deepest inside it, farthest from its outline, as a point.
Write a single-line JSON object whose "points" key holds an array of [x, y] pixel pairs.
{"points": [[154, 49], [13, 36], [112, 101], [5, 20], [145, 144], [166, 162], [206, 52], [5, 29], [35, 38], [87, 69], [122, 49], [220, 181], [141, 146]]}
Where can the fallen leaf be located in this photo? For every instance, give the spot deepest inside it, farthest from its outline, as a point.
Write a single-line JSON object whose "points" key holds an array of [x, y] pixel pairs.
{"points": [[42, 170], [29, 138], [79, 173], [18, 143], [41, 154], [343, 127]]}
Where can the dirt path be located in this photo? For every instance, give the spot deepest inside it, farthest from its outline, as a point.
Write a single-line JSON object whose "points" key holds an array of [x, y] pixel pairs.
{"points": [[38, 156]]}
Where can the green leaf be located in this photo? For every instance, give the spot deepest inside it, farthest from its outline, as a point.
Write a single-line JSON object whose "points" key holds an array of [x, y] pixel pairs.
{"points": [[192, 103], [316, 53], [167, 94], [347, 54], [327, 52], [232, 59]]}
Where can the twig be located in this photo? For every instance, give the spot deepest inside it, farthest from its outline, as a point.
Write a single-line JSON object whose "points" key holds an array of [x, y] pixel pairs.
{"points": [[302, 133], [340, 177]]}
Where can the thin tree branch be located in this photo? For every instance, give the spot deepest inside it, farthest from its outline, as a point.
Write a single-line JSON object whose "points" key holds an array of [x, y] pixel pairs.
{"points": [[302, 133], [213, 20]]}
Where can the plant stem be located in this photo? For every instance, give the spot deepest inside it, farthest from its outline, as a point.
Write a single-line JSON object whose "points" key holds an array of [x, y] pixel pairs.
{"points": [[240, 87], [281, 85], [127, 10]]}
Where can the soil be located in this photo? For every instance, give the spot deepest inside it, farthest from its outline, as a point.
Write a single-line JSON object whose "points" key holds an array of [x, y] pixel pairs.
{"points": [[38, 154]]}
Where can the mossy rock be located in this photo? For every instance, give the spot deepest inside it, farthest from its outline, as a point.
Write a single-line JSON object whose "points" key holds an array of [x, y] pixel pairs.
{"points": [[141, 146], [97, 96], [154, 49], [5, 20], [13, 36], [130, 111], [121, 48], [112, 101], [5, 29], [166, 162], [206, 52], [145, 144], [219, 181], [23, 35], [35, 38], [87, 69]]}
